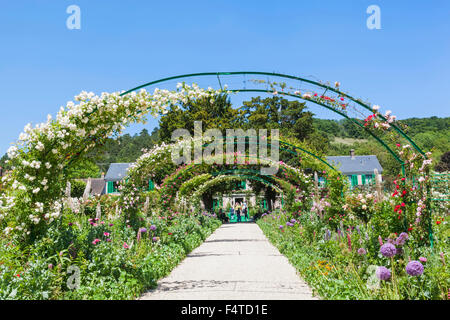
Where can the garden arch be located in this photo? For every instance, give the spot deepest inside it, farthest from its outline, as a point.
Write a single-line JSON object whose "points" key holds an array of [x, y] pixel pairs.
{"points": [[35, 185]]}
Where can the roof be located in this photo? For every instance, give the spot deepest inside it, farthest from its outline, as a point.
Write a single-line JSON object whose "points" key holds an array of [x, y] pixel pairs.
{"points": [[356, 165], [117, 171], [97, 185]]}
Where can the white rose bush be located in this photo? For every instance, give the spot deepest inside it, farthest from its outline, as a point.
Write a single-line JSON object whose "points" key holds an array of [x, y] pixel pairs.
{"points": [[33, 189]]}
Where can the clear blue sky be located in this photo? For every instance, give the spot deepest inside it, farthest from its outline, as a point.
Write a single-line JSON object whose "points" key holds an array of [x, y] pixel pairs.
{"points": [[404, 67]]}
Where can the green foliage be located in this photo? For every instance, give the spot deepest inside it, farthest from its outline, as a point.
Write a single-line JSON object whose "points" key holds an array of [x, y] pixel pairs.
{"points": [[108, 268], [214, 113], [77, 188], [332, 266]]}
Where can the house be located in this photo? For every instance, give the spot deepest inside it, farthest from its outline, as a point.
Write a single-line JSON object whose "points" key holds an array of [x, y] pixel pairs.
{"points": [[116, 173], [358, 169]]}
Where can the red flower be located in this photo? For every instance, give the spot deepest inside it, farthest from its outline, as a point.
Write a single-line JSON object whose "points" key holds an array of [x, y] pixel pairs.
{"points": [[438, 222], [410, 229], [170, 233]]}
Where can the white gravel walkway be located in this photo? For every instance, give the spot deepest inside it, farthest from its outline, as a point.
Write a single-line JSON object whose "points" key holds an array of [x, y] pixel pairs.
{"points": [[236, 262]]}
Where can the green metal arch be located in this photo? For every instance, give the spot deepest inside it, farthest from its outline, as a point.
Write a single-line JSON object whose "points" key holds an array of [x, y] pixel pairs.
{"points": [[358, 101]]}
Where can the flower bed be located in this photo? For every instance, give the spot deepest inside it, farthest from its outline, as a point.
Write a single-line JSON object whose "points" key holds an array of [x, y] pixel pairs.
{"points": [[355, 263], [114, 261]]}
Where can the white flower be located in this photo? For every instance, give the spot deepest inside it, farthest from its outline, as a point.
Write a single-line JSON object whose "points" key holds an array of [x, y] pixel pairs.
{"points": [[36, 190], [376, 107], [40, 146]]}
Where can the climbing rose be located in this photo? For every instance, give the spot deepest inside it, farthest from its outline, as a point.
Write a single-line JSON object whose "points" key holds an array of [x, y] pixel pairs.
{"points": [[383, 273], [388, 250], [414, 268]]}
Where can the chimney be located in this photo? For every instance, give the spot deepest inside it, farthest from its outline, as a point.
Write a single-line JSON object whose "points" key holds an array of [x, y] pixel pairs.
{"points": [[352, 153]]}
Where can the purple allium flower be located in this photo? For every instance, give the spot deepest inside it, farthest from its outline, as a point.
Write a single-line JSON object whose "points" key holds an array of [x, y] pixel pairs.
{"points": [[388, 250], [153, 227], [293, 221], [70, 224], [362, 251], [154, 239], [383, 273], [402, 238], [414, 268], [143, 230], [280, 226]]}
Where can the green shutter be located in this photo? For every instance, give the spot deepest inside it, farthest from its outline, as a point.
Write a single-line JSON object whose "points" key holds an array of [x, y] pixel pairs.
{"points": [[151, 185], [110, 187], [354, 180], [363, 179]]}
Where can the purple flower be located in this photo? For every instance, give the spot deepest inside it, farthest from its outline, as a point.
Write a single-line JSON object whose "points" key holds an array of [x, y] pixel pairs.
{"points": [[362, 251], [111, 224], [293, 221], [280, 226], [388, 250], [402, 238], [414, 268], [153, 227], [143, 230], [383, 273], [155, 239], [70, 224]]}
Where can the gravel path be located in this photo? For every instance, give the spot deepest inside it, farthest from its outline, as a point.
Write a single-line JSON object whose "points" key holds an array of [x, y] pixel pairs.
{"points": [[236, 262]]}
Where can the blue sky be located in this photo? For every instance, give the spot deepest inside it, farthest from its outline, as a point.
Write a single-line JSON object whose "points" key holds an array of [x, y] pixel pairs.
{"points": [[404, 67]]}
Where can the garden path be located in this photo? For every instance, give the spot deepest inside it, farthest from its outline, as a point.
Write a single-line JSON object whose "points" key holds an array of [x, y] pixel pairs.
{"points": [[236, 262]]}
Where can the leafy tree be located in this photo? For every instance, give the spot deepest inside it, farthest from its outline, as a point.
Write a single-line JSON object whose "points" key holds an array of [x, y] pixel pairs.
{"points": [[214, 113], [275, 112]]}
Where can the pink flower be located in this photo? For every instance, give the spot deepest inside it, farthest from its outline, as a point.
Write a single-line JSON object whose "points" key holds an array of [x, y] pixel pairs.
{"points": [[106, 234], [96, 241], [125, 246], [423, 259]]}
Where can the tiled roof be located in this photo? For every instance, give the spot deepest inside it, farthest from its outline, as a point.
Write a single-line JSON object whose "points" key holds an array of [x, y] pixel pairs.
{"points": [[356, 165], [117, 171]]}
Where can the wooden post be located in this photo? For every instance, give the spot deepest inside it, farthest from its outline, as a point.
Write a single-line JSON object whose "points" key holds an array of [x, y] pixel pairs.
{"points": [[87, 190], [98, 211], [378, 185], [146, 204]]}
